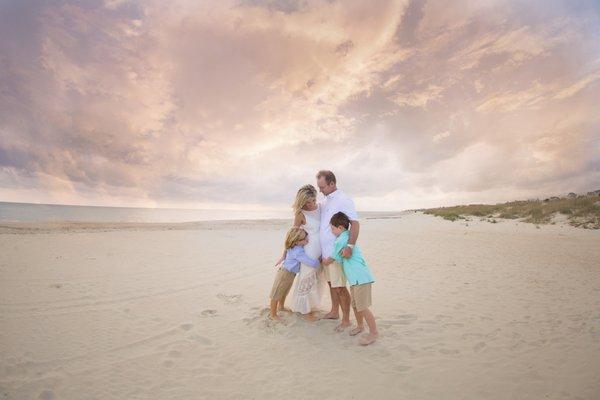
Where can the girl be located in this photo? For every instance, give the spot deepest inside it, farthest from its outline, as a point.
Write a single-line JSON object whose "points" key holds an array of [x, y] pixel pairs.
{"points": [[295, 240]]}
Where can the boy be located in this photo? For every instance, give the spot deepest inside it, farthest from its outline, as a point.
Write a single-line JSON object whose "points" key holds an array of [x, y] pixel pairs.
{"points": [[358, 275]]}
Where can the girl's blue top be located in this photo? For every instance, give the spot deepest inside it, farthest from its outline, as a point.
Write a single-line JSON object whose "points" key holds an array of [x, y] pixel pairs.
{"points": [[295, 256]]}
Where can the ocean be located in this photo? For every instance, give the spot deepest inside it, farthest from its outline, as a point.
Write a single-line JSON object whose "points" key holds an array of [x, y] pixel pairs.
{"points": [[27, 212]]}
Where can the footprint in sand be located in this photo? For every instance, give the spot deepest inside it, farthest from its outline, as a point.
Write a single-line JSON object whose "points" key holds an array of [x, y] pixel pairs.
{"points": [[449, 351], [201, 339], [174, 354], [451, 324], [479, 347], [46, 395], [186, 327], [402, 368], [230, 299], [209, 313], [403, 319]]}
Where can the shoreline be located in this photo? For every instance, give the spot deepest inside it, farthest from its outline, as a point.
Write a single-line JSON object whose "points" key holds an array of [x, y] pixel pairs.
{"points": [[33, 227]]}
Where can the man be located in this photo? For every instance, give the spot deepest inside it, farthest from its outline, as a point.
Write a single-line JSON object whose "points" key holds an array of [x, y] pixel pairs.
{"points": [[336, 201]]}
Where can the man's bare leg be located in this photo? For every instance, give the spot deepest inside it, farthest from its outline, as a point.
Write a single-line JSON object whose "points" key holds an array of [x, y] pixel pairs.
{"points": [[359, 323], [373, 334], [335, 304], [344, 297]]}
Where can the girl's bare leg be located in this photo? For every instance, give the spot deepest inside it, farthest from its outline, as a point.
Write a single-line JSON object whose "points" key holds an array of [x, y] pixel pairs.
{"points": [[273, 310], [281, 306], [372, 335]]}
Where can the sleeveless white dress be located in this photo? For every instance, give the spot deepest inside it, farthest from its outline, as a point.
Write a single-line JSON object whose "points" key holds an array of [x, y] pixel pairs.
{"points": [[311, 285]]}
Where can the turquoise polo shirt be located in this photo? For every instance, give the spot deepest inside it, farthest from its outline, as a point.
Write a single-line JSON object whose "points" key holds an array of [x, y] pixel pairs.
{"points": [[355, 268]]}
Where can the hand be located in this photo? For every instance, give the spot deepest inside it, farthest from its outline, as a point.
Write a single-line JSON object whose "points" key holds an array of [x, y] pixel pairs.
{"points": [[347, 252], [327, 261], [279, 261]]}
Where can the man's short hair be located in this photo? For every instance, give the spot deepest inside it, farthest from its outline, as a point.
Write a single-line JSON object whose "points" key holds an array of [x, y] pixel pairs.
{"points": [[340, 219], [328, 175]]}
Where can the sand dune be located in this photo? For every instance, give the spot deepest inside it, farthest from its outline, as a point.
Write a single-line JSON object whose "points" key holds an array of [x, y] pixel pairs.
{"points": [[135, 311]]}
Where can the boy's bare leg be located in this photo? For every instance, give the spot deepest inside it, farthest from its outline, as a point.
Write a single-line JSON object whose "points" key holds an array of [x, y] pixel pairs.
{"points": [[344, 296], [372, 335], [335, 304], [273, 310], [359, 323]]}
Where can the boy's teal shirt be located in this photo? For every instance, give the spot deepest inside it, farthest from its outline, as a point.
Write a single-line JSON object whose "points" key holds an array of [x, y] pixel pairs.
{"points": [[355, 268]]}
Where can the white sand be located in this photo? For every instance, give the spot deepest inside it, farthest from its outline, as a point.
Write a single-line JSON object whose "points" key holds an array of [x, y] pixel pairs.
{"points": [[485, 311]]}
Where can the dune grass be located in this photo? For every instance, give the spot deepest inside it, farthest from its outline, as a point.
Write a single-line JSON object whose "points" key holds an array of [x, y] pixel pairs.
{"points": [[582, 211]]}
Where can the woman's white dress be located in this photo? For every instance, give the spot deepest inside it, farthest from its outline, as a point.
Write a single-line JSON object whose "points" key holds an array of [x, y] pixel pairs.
{"points": [[311, 285]]}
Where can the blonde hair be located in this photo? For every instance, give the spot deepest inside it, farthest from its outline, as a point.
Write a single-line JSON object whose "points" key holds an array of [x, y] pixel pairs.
{"points": [[304, 194], [293, 236]]}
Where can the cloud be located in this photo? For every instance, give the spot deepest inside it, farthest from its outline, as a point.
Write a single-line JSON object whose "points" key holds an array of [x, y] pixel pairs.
{"points": [[238, 103]]}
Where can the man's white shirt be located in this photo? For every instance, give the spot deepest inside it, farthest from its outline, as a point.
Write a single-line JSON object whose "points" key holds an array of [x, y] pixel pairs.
{"points": [[334, 202]]}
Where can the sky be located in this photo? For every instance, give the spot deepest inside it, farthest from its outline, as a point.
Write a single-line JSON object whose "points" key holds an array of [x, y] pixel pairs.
{"points": [[236, 104]]}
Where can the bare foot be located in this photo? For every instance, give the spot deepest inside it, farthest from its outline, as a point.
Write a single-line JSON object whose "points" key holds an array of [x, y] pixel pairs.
{"points": [[330, 316], [308, 317], [356, 330], [274, 317], [341, 327], [284, 309], [367, 339]]}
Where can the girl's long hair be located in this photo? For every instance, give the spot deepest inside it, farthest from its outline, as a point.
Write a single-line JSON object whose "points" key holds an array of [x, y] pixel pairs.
{"points": [[293, 236]]}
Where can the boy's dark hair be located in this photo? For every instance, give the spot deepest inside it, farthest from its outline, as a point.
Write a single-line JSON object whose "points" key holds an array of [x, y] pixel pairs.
{"points": [[340, 219]]}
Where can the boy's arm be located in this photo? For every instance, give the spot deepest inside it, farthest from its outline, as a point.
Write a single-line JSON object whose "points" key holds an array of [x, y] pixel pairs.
{"points": [[327, 261], [339, 245]]}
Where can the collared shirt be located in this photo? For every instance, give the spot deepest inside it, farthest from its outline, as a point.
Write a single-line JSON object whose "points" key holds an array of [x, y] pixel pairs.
{"points": [[334, 202], [355, 268], [295, 256]]}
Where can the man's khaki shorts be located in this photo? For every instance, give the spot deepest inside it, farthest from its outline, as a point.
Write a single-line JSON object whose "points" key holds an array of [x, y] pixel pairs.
{"points": [[361, 296], [283, 284], [335, 274]]}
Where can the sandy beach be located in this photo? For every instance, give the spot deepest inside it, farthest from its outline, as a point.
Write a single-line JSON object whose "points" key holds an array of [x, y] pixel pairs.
{"points": [[466, 310]]}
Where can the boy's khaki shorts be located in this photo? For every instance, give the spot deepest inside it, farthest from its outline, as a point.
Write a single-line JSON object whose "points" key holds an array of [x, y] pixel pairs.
{"points": [[361, 296], [335, 274], [283, 284]]}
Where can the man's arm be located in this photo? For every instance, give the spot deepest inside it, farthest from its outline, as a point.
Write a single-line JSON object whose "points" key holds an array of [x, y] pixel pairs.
{"points": [[354, 230]]}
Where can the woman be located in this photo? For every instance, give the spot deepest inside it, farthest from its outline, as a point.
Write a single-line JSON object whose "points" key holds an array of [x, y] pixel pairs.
{"points": [[310, 282]]}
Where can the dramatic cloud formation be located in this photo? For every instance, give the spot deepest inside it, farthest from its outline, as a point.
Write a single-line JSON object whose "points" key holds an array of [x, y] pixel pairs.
{"points": [[236, 104]]}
